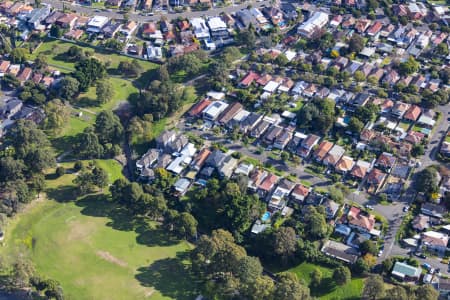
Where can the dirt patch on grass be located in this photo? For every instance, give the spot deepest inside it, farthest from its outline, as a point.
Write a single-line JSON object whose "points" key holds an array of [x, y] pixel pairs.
{"points": [[109, 257], [79, 230]]}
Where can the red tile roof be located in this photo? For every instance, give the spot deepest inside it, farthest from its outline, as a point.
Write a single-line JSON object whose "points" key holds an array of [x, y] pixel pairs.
{"points": [[199, 107], [249, 78], [413, 113]]}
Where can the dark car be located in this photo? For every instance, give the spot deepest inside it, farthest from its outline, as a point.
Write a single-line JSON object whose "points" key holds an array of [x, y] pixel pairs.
{"points": [[421, 255]]}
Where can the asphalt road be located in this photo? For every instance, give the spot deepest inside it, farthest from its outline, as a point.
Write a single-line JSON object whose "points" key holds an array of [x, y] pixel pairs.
{"points": [[113, 14], [429, 158]]}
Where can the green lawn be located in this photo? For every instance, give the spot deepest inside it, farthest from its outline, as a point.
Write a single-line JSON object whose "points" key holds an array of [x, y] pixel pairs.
{"points": [[122, 89], [55, 49], [405, 126], [328, 290], [447, 138], [96, 250]]}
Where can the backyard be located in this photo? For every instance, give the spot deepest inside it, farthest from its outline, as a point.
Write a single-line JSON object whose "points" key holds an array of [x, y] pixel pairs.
{"points": [[328, 289], [111, 254]]}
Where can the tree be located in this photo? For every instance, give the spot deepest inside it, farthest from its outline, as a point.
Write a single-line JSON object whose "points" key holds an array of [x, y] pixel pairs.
{"points": [[374, 288], [261, 289], [57, 115], [31, 145], [60, 171], [99, 176], [316, 278], [285, 243], [56, 31], [133, 69], [367, 112], [247, 38], [426, 181], [417, 150], [316, 224], [356, 43], [11, 169], [426, 292], [18, 55], [355, 125], [186, 225], [104, 91], [88, 145], [288, 287], [396, 293], [442, 49], [88, 71], [368, 247], [281, 60], [409, 66], [75, 53], [219, 71], [108, 128], [41, 62], [69, 87], [359, 76], [387, 265], [38, 183], [10, 81], [249, 269], [342, 275]]}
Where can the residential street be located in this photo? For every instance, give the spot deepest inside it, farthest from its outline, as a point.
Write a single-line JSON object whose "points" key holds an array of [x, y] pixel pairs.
{"points": [[87, 10]]}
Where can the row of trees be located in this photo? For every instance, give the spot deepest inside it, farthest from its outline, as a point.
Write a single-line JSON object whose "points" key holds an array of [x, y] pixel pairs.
{"points": [[228, 272], [21, 165], [101, 140]]}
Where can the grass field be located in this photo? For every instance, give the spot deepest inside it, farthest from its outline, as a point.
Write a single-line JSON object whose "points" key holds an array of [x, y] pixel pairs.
{"points": [[96, 250], [55, 49], [328, 290], [122, 89]]}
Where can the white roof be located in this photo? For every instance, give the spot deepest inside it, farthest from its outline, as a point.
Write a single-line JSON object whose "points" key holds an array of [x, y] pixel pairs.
{"points": [[288, 115], [216, 95], [426, 120], [214, 109], [318, 20], [176, 165], [188, 150], [241, 115], [98, 21], [200, 29], [290, 54], [216, 23], [271, 86]]}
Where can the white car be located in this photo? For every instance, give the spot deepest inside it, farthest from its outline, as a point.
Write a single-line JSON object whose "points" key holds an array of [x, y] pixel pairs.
{"points": [[369, 207]]}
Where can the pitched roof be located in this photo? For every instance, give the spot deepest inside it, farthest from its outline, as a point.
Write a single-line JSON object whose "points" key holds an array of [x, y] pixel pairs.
{"points": [[357, 218], [199, 107], [322, 150], [435, 238], [249, 78], [268, 182], [376, 176], [345, 164], [300, 190], [386, 160], [413, 113]]}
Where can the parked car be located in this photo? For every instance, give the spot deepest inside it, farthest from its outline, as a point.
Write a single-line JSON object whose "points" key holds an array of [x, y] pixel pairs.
{"points": [[421, 255], [426, 266], [369, 207], [406, 208]]}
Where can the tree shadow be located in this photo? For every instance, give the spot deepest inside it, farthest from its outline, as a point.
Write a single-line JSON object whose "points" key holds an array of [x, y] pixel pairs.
{"points": [[62, 194], [327, 285], [87, 102], [63, 143], [154, 236], [170, 277]]}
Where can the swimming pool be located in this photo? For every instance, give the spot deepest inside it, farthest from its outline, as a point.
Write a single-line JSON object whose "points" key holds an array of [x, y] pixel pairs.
{"points": [[266, 216]]}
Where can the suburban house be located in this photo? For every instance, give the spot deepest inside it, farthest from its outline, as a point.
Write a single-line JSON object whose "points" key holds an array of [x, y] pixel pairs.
{"points": [[147, 160], [299, 193], [413, 113], [311, 26], [340, 251], [307, 145], [433, 210], [283, 138], [334, 155], [345, 164], [200, 159], [212, 112], [360, 220], [227, 167], [406, 272], [360, 169], [229, 113], [421, 222], [322, 150], [375, 180], [436, 241], [331, 208], [267, 185], [386, 162]]}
